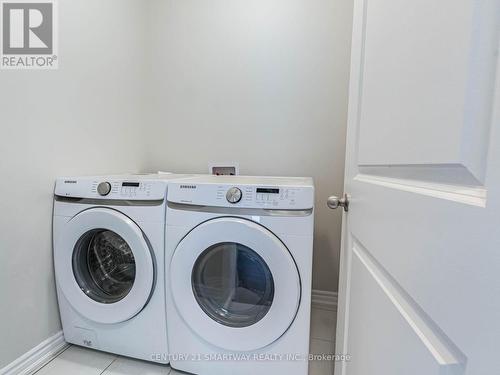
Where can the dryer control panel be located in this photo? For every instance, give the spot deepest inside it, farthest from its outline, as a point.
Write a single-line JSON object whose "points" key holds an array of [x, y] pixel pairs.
{"points": [[238, 191]]}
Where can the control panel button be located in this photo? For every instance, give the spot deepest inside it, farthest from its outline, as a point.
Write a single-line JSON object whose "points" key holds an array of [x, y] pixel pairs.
{"points": [[104, 188], [234, 195]]}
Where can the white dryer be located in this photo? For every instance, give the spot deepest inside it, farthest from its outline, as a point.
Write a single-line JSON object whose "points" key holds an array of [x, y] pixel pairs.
{"points": [[239, 253], [109, 243]]}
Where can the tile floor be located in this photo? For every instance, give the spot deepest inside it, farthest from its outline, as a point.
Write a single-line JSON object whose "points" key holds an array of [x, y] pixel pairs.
{"points": [[81, 361]]}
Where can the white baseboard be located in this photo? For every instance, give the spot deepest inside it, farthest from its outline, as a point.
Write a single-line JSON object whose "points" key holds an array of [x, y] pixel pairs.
{"points": [[323, 299], [37, 357]]}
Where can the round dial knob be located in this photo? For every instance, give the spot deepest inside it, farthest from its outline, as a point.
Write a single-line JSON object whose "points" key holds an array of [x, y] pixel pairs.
{"points": [[104, 188], [234, 195]]}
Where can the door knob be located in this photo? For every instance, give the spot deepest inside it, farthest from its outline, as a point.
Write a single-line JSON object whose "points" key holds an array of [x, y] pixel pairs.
{"points": [[335, 202]]}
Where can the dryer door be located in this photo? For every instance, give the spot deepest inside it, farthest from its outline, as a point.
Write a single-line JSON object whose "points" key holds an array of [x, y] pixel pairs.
{"points": [[104, 265], [235, 284]]}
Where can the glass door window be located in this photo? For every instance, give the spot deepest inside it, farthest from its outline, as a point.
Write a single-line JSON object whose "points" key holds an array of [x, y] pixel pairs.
{"points": [[233, 284], [104, 266]]}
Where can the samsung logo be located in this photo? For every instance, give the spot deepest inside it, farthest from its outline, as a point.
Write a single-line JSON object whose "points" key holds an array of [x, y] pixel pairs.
{"points": [[70, 182], [188, 186]]}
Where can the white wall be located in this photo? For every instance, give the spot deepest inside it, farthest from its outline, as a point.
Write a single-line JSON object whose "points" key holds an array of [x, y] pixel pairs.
{"points": [[80, 119], [261, 82]]}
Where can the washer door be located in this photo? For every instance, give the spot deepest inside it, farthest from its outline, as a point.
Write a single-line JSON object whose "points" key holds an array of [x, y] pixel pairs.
{"points": [[104, 265], [235, 284]]}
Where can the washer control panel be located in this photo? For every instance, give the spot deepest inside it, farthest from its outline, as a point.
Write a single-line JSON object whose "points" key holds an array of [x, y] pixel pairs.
{"points": [[99, 188], [123, 189]]}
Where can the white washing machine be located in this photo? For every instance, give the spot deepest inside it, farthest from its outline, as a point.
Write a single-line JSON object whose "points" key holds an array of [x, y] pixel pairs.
{"points": [[109, 243], [239, 252]]}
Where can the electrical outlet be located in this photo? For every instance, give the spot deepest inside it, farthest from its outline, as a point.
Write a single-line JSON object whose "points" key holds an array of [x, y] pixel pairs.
{"points": [[224, 169]]}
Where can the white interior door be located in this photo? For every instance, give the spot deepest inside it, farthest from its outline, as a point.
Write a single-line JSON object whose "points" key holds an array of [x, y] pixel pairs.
{"points": [[420, 265]]}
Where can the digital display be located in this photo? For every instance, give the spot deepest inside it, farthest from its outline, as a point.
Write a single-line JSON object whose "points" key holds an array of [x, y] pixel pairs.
{"points": [[131, 184], [268, 190]]}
